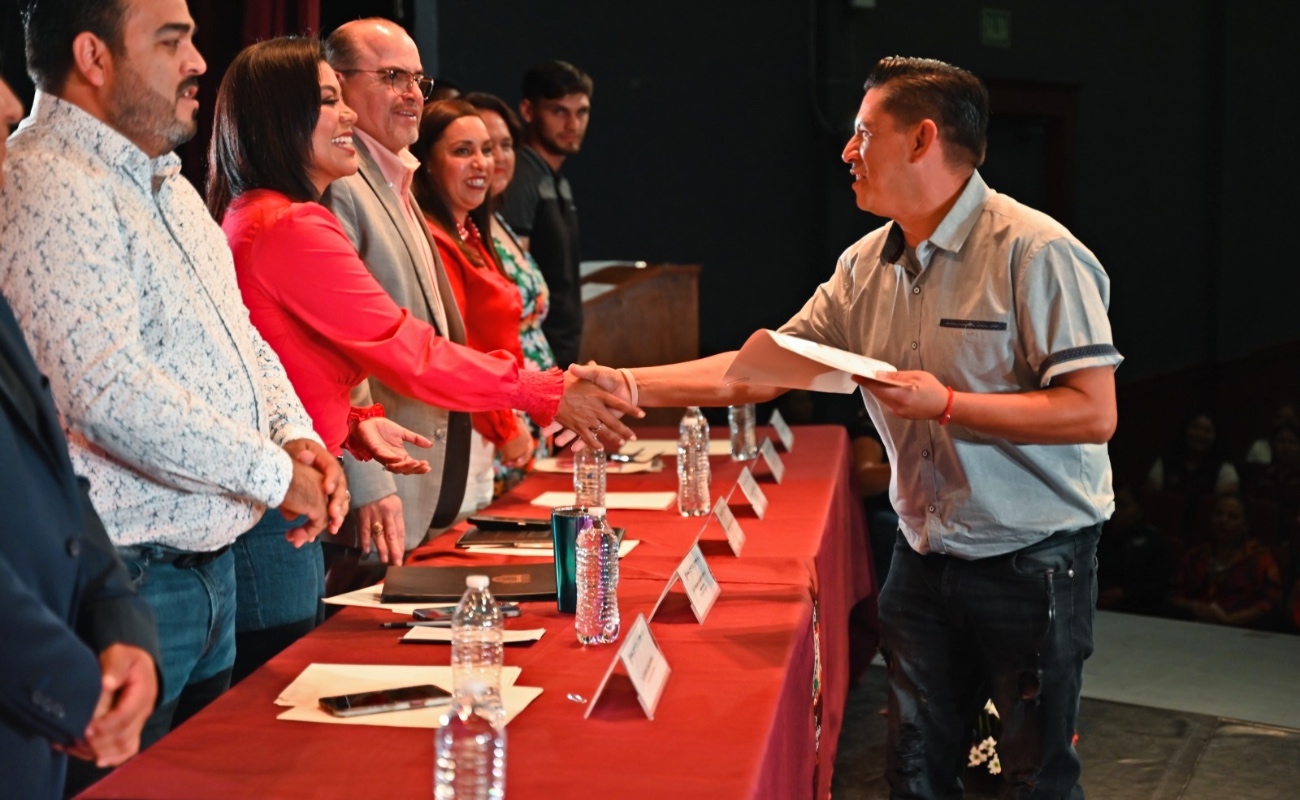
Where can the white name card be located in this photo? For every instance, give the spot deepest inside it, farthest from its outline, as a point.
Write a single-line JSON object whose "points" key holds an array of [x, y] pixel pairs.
{"points": [[701, 587], [735, 536], [754, 494], [645, 665], [783, 431], [774, 462]]}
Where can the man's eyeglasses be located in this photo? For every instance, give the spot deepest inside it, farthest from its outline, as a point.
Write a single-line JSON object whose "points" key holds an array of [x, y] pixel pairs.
{"points": [[399, 80]]}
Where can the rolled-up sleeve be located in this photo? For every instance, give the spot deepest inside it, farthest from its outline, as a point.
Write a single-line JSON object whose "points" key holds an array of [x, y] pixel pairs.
{"points": [[1061, 308]]}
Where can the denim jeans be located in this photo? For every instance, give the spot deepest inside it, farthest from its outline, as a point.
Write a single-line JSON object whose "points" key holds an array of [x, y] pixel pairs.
{"points": [[278, 584], [1015, 628], [195, 608]]}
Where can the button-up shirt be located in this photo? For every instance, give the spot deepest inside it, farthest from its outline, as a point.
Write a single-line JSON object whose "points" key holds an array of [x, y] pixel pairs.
{"points": [[173, 405], [1000, 299], [399, 170]]}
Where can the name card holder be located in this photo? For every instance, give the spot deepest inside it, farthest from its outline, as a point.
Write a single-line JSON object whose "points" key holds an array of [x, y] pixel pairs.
{"points": [[735, 536], [754, 494], [774, 462], [701, 587], [783, 431], [645, 665]]}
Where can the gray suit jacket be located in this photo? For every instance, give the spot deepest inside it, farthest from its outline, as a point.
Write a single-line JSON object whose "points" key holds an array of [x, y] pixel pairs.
{"points": [[374, 221]]}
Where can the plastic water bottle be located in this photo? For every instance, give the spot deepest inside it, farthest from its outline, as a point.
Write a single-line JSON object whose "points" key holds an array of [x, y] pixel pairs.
{"points": [[477, 655], [693, 465], [597, 552], [589, 477], [744, 446], [469, 752]]}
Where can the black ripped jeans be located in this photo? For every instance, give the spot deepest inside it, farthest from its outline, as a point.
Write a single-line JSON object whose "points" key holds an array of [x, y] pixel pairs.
{"points": [[1015, 628]]}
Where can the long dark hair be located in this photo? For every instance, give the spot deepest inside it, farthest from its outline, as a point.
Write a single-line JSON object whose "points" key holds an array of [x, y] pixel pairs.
{"points": [[433, 124], [267, 108]]}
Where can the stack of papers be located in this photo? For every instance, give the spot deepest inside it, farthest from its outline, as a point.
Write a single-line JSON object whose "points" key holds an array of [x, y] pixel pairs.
{"points": [[625, 547], [642, 501], [438, 634], [326, 680]]}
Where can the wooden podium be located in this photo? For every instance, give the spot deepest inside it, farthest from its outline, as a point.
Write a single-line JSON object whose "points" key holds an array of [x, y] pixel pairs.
{"points": [[640, 316]]}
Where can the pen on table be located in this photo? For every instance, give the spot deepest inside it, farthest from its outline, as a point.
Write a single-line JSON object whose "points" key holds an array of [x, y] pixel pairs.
{"points": [[432, 623]]}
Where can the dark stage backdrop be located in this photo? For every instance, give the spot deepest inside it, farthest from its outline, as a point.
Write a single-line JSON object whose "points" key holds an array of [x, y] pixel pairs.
{"points": [[1158, 131]]}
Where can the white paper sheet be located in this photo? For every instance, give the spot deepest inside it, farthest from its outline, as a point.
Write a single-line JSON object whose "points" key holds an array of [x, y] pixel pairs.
{"points": [[642, 501], [325, 680], [668, 447], [778, 359], [369, 598], [565, 465], [626, 547], [444, 635]]}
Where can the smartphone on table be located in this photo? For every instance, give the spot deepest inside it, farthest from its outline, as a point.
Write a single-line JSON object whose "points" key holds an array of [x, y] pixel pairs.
{"points": [[407, 697], [443, 613]]}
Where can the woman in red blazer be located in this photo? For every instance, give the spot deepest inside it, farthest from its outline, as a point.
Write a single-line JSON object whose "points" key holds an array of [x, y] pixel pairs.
{"points": [[282, 134], [453, 189]]}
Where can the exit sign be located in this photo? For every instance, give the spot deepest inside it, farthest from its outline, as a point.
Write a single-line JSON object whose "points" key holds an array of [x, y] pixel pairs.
{"points": [[995, 27]]}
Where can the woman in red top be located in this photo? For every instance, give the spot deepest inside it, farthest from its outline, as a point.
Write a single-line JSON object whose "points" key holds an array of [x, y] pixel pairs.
{"points": [[282, 134], [453, 191]]}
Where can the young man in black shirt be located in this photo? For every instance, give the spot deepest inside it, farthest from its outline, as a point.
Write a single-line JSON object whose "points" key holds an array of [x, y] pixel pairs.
{"points": [[539, 206]]}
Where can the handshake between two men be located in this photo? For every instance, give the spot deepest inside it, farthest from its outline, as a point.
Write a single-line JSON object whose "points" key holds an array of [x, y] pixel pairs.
{"points": [[318, 491]]}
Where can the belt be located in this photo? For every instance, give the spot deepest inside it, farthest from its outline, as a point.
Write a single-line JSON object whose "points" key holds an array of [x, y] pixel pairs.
{"points": [[180, 559]]}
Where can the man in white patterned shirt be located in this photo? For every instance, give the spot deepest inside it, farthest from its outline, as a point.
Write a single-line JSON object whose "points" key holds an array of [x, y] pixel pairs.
{"points": [[174, 407]]}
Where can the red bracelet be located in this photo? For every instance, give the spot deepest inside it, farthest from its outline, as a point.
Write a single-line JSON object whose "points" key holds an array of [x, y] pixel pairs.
{"points": [[947, 411]]}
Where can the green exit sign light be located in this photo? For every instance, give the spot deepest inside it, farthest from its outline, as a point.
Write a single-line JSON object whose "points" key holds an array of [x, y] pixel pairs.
{"points": [[995, 27]]}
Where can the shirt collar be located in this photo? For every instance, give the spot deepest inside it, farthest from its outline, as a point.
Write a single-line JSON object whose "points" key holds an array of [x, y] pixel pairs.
{"points": [[955, 227], [80, 130], [397, 168]]}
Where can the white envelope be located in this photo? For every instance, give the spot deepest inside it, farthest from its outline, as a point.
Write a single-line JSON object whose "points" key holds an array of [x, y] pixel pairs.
{"points": [[778, 359]]}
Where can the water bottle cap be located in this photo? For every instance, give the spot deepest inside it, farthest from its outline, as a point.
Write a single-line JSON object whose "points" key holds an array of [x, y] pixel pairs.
{"points": [[476, 581]]}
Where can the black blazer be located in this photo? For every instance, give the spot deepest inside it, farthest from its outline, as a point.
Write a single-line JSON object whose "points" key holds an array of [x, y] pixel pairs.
{"points": [[64, 593]]}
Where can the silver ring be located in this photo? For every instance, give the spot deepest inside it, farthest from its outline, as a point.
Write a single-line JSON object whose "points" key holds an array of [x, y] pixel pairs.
{"points": [[598, 428], [378, 527]]}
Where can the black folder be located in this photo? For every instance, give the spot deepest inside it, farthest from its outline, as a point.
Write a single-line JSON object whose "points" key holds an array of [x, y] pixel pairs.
{"points": [[447, 584]]}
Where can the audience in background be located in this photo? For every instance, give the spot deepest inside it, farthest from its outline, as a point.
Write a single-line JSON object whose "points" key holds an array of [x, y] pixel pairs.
{"points": [[1230, 579], [1134, 561], [1194, 463], [453, 188], [1193, 467], [556, 108], [507, 133], [1260, 452]]}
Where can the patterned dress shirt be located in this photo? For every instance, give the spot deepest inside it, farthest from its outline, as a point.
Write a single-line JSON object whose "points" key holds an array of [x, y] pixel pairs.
{"points": [[173, 405]]}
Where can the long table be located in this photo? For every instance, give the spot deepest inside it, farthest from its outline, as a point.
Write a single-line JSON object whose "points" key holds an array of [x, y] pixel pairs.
{"points": [[753, 708]]}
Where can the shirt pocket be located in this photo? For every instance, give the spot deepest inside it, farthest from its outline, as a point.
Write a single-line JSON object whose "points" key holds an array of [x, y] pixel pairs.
{"points": [[982, 351]]}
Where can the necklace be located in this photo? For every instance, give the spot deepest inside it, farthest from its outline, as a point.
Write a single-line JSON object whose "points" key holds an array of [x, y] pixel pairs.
{"points": [[468, 230]]}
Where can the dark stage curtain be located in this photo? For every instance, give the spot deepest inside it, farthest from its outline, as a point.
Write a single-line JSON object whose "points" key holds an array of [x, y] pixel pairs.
{"points": [[224, 28]]}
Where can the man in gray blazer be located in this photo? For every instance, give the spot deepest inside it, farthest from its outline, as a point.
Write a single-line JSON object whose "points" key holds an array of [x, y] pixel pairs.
{"points": [[382, 80]]}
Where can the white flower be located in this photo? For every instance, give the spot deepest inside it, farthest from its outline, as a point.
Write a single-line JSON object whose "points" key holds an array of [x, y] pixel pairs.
{"points": [[991, 709], [995, 766]]}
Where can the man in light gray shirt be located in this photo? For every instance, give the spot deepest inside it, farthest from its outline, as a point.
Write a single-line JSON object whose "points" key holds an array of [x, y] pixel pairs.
{"points": [[996, 424]]}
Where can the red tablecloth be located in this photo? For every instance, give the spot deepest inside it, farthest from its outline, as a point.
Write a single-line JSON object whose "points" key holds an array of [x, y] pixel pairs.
{"points": [[739, 717]]}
